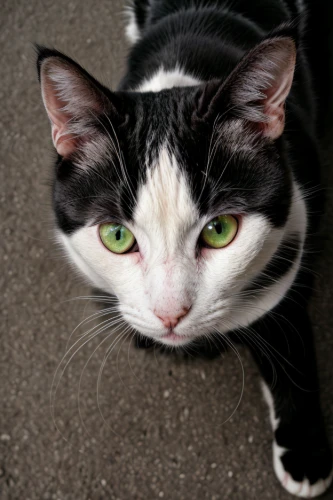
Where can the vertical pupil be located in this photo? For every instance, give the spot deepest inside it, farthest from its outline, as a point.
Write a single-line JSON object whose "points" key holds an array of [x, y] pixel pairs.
{"points": [[118, 235], [218, 227]]}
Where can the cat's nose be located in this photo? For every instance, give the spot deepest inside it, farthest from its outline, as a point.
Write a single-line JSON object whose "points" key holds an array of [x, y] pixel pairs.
{"points": [[172, 320]]}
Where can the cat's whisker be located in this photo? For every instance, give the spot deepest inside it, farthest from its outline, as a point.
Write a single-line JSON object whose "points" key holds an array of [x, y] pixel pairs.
{"points": [[237, 327], [54, 389], [235, 350], [253, 340], [215, 187], [276, 354], [211, 154], [72, 351], [271, 314], [121, 159], [92, 297], [128, 330], [92, 317], [100, 373], [86, 364], [116, 149], [128, 357], [106, 321], [81, 377]]}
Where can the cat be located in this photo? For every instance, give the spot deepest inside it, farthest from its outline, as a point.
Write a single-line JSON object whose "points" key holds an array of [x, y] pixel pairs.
{"points": [[191, 194]]}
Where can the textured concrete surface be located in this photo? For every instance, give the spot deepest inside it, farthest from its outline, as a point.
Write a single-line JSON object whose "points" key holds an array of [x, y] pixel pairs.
{"points": [[157, 430]]}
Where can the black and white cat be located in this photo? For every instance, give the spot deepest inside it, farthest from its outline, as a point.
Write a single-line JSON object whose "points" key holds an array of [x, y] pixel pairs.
{"points": [[185, 194]]}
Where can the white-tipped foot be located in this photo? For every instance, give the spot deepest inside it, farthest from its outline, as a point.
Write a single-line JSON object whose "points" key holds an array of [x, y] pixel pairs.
{"points": [[303, 488]]}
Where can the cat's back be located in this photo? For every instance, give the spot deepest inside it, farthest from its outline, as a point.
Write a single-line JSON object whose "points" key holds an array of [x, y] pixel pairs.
{"points": [[203, 39]]}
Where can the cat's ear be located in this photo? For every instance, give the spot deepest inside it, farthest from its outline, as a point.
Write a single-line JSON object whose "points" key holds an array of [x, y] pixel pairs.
{"points": [[257, 89], [73, 100]]}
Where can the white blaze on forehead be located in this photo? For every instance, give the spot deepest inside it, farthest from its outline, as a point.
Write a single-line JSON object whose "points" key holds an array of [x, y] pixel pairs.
{"points": [[165, 210]]}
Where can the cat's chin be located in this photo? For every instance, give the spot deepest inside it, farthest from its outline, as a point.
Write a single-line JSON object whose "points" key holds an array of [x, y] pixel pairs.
{"points": [[173, 339]]}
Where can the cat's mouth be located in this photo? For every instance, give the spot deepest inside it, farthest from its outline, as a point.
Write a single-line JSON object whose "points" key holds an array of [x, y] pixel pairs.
{"points": [[172, 338]]}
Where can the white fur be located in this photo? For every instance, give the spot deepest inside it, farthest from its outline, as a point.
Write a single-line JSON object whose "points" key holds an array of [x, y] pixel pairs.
{"points": [[270, 403], [166, 79], [132, 30], [301, 489]]}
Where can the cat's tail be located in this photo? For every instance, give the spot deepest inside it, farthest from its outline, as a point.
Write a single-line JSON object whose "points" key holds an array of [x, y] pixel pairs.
{"points": [[137, 13]]}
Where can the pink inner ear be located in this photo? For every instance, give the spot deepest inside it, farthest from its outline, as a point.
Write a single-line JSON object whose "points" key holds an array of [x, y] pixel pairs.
{"points": [[276, 95], [64, 141], [274, 128]]}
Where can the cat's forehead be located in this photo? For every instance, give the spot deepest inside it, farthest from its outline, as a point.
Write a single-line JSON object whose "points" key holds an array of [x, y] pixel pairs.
{"points": [[165, 208], [153, 116]]}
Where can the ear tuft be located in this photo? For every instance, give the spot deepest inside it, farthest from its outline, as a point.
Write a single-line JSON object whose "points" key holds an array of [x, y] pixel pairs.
{"points": [[264, 85], [257, 88], [72, 99]]}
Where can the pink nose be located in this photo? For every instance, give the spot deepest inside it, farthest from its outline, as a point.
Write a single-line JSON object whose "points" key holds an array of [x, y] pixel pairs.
{"points": [[171, 321]]}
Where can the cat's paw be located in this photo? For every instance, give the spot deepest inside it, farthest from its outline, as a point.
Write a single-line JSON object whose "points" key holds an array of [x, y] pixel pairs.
{"points": [[305, 473]]}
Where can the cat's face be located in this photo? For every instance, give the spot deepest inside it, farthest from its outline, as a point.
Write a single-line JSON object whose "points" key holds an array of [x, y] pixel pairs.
{"points": [[175, 212]]}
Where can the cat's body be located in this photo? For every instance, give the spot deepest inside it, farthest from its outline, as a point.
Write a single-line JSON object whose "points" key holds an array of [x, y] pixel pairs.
{"points": [[195, 141]]}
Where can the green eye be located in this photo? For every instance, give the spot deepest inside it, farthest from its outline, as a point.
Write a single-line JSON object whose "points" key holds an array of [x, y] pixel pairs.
{"points": [[220, 231], [116, 238]]}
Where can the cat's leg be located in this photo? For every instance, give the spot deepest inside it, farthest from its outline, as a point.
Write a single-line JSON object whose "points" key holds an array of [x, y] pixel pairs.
{"points": [[301, 454]]}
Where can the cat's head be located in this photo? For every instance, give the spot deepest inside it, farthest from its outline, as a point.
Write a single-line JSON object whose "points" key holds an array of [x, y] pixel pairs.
{"points": [[174, 201]]}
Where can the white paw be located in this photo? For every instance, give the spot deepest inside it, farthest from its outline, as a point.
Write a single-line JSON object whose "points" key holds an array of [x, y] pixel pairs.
{"points": [[303, 488]]}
